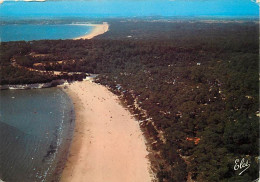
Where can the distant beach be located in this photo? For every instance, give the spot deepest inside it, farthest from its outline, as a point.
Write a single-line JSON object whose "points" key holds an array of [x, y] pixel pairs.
{"points": [[98, 29], [108, 144]]}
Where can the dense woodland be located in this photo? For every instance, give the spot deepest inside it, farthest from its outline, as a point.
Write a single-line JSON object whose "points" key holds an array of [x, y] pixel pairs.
{"points": [[192, 85]]}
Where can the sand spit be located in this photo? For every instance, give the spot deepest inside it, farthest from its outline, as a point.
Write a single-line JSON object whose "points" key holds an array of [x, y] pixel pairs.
{"points": [[98, 29]]}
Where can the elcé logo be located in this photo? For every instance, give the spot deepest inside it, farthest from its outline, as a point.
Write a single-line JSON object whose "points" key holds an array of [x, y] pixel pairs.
{"points": [[243, 164]]}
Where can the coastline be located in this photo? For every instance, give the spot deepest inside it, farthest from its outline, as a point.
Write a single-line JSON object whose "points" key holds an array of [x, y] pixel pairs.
{"points": [[53, 83], [107, 144], [98, 29]]}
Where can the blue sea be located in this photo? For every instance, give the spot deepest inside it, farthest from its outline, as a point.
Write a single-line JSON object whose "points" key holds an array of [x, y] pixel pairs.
{"points": [[36, 128], [129, 8], [28, 32]]}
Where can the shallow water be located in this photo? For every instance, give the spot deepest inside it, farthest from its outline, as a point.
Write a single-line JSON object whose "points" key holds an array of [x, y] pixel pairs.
{"points": [[35, 131]]}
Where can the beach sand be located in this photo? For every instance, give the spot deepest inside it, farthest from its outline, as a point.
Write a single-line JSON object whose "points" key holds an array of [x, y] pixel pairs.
{"points": [[108, 145], [97, 30]]}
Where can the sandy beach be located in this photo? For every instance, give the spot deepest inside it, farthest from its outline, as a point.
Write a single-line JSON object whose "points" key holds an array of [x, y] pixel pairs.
{"points": [[108, 145], [98, 29]]}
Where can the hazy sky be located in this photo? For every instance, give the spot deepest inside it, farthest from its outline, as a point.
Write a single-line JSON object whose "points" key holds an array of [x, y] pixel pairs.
{"points": [[97, 8]]}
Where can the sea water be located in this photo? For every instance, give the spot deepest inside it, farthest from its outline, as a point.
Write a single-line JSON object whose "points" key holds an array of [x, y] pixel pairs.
{"points": [[28, 32], [129, 8], [36, 128]]}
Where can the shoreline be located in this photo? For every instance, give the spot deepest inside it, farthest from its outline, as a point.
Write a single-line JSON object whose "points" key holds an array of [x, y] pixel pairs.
{"points": [[53, 83], [98, 29], [108, 144]]}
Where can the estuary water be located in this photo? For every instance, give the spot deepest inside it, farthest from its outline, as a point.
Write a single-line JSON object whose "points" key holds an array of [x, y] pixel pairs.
{"points": [[28, 32], [36, 128]]}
